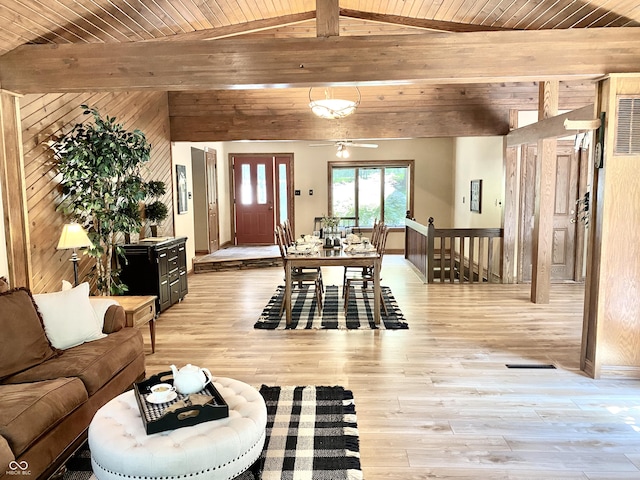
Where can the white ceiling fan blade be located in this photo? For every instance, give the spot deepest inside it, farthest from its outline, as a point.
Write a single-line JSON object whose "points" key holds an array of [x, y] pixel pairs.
{"points": [[365, 145], [344, 143]]}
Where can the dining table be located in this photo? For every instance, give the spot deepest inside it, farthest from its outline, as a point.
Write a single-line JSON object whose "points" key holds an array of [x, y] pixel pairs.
{"points": [[314, 254]]}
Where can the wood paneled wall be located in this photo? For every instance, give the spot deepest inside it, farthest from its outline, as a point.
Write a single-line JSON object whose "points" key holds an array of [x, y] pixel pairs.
{"points": [[393, 111], [611, 337], [46, 117]]}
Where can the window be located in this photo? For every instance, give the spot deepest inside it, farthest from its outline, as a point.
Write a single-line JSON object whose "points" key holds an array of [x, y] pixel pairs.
{"points": [[371, 190]]}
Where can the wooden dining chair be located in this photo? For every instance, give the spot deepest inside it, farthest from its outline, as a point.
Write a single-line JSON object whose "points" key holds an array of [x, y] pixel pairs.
{"points": [[288, 231], [289, 240], [366, 275], [375, 236], [299, 277], [375, 232]]}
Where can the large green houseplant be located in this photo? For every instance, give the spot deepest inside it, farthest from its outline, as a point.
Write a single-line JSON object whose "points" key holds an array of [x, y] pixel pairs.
{"points": [[102, 185]]}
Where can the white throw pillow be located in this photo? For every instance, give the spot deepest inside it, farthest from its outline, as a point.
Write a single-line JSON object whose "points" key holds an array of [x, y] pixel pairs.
{"points": [[68, 317], [100, 306]]}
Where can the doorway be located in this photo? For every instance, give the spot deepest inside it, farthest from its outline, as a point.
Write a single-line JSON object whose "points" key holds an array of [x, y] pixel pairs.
{"points": [[566, 251], [262, 192], [205, 200], [213, 224]]}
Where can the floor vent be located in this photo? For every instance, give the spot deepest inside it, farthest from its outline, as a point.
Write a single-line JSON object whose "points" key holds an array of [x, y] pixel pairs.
{"points": [[531, 365]]}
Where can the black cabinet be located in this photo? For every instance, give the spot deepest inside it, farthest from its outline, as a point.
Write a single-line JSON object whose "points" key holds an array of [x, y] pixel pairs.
{"points": [[156, 267]]}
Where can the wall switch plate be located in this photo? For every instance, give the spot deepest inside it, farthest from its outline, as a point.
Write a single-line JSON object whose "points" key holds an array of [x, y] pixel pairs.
{"points": [[310, 191], [296, 192]]}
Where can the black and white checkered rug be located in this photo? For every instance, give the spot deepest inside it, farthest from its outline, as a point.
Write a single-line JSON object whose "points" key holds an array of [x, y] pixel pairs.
{"points": [[305, 313], [311, 431]]}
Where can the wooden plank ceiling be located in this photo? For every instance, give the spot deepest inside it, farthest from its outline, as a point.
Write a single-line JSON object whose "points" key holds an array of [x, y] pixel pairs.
{"points": [[387, 111]]}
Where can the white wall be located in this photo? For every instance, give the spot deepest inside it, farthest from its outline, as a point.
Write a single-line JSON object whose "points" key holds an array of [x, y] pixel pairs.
{"points": [[443, 166], [184, 225], [200, 204], [4, 263], [478, 158], [433, 183]]}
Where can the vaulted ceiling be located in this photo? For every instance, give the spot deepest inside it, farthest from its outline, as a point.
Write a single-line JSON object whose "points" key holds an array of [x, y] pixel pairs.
{"points": [[111, 21], [475, 69]]}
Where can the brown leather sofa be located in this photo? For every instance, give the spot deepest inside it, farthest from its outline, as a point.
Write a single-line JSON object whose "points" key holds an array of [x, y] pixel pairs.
{"points": [[46, 409]]}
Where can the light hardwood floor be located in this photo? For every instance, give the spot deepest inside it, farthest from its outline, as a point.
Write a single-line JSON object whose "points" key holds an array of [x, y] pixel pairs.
{"points": [[434, 401]]}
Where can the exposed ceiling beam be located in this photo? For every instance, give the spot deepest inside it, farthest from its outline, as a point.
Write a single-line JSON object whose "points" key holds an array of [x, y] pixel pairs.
{"points": [[237, 29], [239, 63], [426, 24], [548, 128], [472, 121], [327, 18]]}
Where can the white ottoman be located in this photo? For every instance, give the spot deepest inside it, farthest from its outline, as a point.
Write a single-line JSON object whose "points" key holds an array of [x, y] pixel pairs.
{"points": [[215, 450]]}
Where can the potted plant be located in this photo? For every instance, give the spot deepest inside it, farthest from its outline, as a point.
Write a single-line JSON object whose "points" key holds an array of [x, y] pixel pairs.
{"points": [[156, 211], [100, 166], [329, 224]]}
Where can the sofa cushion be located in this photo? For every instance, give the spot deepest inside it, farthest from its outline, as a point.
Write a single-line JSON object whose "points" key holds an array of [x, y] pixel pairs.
{"points": [[28, 411], [95, 363], [100, 307], [115, 319], [23, 342], [4, 285], [69, 318], [6, 455]]}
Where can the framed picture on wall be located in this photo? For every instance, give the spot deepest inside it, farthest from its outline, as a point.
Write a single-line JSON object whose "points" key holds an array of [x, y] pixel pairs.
{"points": [[475, 204], [181, 182]]}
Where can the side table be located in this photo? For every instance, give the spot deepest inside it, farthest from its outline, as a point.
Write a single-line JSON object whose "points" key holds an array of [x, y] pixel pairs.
{"points": [[140, 309]]}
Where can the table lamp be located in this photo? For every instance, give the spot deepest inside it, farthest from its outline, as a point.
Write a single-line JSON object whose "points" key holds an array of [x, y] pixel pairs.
{"points": [[73, 236]]}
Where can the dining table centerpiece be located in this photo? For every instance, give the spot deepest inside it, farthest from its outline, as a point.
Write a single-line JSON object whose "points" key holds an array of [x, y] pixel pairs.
{"points": [[330, 225]]}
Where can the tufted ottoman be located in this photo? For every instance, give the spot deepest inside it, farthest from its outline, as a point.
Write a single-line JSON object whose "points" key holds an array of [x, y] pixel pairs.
{"points": [[215, 450]]}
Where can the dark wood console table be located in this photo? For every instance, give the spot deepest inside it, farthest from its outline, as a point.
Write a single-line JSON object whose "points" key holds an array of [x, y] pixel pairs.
{"points": [[156, 266]]}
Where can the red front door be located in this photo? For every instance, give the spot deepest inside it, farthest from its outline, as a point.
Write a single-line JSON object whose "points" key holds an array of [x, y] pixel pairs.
{"points": [[253, 184]]}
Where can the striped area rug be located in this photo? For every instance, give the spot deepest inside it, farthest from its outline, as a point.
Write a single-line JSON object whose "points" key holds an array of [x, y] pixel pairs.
{"points": [[312, 434], [305, 313]]}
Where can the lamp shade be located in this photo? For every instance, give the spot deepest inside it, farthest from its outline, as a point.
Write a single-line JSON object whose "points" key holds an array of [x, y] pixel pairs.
{"points": [[73, 236], [333, 108]]}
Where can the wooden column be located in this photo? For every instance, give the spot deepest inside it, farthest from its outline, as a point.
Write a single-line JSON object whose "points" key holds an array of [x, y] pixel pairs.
{"points": [[13, 191], [510, 207], [542, 246], [327, 18]]}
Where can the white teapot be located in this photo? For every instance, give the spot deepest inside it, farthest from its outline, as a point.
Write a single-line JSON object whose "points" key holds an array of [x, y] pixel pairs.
{"points": [[190, 379]]}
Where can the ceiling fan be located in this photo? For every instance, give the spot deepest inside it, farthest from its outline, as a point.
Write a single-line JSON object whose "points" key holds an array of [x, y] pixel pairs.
{"points": [[342, 145]]}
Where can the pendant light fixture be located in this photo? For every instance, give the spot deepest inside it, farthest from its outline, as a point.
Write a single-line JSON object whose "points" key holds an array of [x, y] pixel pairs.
{"points": [[333, 108]]}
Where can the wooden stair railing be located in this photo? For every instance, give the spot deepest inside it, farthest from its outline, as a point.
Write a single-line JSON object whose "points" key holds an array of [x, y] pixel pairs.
{"points": [[453, 254]]}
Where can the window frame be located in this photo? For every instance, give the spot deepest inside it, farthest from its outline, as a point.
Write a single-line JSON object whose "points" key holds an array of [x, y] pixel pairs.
{"points": [[410, 164]]}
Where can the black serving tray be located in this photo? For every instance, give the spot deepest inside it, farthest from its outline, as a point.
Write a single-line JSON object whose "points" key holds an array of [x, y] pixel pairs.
{"points": [[152, 414]]}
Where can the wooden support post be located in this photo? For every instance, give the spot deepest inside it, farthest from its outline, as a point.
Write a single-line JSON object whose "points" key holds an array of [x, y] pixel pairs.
{"points": [[431, 250], [510, 207], [14, 198], [327, 18], [545, 198]]}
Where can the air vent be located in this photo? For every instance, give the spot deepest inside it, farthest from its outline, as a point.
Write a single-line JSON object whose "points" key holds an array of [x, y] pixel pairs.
{"points": [[536, 366], [628, 126]]}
